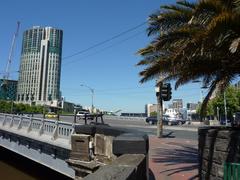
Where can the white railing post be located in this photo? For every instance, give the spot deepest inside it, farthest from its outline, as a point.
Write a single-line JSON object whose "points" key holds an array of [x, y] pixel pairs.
{"points": [[55, 131], [11, 122], [73, 131], [4, 119], [20, 123], [29, 128], [41, 130]]}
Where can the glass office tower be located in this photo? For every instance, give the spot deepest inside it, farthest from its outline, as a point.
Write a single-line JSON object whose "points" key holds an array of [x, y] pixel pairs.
{"points": [[40, 67]]}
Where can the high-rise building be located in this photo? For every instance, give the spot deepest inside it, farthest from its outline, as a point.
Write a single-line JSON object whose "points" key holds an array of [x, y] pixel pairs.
{"points": [[40, 67]]}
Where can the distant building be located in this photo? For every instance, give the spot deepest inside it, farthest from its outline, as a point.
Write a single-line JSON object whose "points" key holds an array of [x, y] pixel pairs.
{"points": [[40, 66], [192, 106], [134, 114], [177, 104], [151, 108], [8, 89], [170, 106], [68, 107]]}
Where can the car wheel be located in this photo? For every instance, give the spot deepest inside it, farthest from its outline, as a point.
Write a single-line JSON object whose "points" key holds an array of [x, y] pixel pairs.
{"points": [[169, 123], [150, 122], [180, 123]]}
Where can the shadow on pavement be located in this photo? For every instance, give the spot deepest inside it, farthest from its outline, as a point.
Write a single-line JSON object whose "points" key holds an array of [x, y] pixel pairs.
{"points": [[168, 135], [151, 175], [182, 158]]}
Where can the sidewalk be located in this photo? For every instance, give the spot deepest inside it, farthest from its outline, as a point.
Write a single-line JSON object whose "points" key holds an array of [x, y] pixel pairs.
{"points": [[173, 158]]}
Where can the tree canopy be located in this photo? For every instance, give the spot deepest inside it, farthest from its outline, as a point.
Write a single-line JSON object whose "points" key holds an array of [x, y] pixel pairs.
{"points": [[194, 41]]}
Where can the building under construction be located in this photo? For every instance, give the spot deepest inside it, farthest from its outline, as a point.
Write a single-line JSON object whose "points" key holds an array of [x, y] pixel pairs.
{"points": [[8, 89]]}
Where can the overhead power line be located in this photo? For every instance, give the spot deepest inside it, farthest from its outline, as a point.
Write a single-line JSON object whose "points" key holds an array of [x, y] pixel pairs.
{"points": [[105, 41], [102, 50]]}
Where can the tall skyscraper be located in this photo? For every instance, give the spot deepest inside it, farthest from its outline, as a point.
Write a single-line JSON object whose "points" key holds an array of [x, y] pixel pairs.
{"points": [[40, 67]]}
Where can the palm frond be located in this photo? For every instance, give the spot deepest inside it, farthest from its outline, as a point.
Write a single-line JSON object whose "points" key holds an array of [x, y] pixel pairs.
{"points": [[234, 45], [187, 4]]}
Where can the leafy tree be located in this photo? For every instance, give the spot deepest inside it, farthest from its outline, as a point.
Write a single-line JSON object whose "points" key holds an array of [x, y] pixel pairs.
{"points": [[8, 107], [153, 113], [232, 103], [194, 41]]}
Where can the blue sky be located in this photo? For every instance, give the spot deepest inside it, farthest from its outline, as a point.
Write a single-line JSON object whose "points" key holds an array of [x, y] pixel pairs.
{"points": [[110, 68]]}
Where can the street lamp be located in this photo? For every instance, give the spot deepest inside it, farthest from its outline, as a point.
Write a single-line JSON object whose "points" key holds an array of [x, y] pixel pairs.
{"points": [[201, 89], [225, 108], [92, 91]]}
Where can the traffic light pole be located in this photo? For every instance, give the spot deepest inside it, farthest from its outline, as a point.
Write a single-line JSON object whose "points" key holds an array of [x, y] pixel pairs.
{"points": [[159, 113]]}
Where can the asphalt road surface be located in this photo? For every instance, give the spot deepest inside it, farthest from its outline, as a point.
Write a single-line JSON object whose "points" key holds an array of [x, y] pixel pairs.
{"points": [[140, 126]]}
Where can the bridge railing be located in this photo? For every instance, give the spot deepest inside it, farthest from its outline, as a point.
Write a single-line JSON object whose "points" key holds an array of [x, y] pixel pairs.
{"points": [[128, 118], [27, 125]]}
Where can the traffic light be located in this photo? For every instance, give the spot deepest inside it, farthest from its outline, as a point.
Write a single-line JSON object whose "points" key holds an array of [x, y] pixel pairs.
{"points": [[166, 92]]}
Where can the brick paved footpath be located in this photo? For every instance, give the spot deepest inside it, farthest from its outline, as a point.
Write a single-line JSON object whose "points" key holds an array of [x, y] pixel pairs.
{"points": [[173, 159]]}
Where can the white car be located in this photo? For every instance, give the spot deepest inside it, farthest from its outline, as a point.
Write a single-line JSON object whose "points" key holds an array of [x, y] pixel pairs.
{"points": [[82, 114]]}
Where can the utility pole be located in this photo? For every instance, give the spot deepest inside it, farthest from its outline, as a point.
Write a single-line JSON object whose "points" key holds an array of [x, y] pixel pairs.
{"points": [[218, 117], [159, 111], [225, 108], [92, 93]]}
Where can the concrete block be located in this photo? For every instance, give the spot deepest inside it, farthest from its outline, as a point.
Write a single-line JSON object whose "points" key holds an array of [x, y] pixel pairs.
{"points": [[80, 147], [109, 131], [109, 172], [127, 166], [99, 144], [130, 144], [103, 145], [85, 129]]}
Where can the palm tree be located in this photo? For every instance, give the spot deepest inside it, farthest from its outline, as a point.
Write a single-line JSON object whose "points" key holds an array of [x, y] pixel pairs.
{"points": [[194, 41]]}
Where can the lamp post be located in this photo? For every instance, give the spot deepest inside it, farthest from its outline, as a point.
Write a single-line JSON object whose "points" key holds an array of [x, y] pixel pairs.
{"points": [[225, 108], [218, 117], [92, 92]]}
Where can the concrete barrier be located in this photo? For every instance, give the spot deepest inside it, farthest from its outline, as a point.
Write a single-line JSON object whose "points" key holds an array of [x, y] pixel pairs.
{"points": [[111, 153], [127, 166]]}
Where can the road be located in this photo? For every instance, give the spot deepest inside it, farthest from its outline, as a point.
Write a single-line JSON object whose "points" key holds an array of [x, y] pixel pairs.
{"points": [[140, 126]]}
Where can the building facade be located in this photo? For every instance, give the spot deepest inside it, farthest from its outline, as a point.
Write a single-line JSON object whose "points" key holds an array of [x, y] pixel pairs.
{"points": [[8, 89], [152, 109], [177, 104], [192, 106], [40, 67]]}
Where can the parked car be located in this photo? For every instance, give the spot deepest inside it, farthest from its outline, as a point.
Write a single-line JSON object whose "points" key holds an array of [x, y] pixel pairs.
{"points": [[82, 114], [167, 120], [223, 121], [51, 115], [151, 120]]}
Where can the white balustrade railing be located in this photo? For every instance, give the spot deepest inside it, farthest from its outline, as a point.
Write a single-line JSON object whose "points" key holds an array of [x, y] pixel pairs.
{"points": [[127, 118], [53, 128]]}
